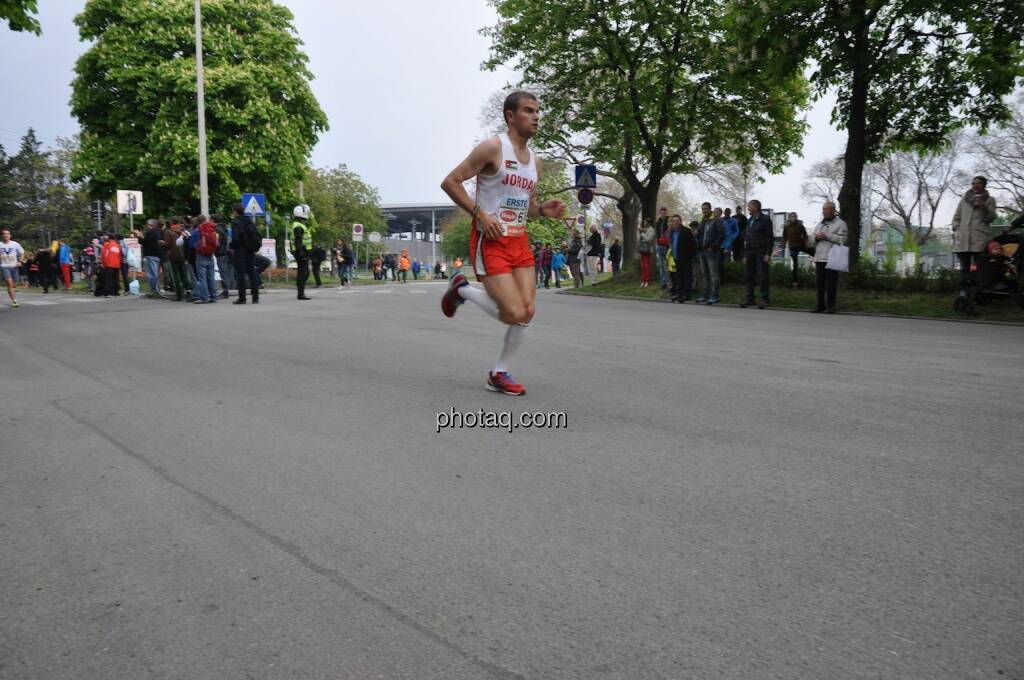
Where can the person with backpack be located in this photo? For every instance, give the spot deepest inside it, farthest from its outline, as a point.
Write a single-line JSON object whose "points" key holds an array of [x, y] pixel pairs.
{"points": [[227, 275], [245, 243], [204, 242]]}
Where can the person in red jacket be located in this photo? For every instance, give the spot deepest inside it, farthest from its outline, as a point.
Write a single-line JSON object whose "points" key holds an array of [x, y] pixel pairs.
{"points": [[111, 258]]}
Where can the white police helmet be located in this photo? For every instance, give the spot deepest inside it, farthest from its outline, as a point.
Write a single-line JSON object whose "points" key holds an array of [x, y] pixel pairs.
{"points": [[301, 211]]}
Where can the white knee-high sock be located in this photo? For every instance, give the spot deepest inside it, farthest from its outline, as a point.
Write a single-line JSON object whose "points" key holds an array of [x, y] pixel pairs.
{"points": [[513, 338], [481, 298]]}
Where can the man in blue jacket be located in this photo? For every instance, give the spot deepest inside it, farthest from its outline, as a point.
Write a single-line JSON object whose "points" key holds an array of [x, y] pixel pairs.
{"points": [[732, 232]]}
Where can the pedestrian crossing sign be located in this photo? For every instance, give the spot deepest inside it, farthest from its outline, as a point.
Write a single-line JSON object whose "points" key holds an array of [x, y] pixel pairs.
{"points": [[254, 204]]}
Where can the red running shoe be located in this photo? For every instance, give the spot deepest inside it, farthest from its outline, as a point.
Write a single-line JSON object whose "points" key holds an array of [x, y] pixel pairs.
{"points": [[451, 300], [503, 382]]}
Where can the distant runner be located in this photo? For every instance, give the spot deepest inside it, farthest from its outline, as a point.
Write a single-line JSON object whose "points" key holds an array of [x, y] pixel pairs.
{"points": [[506, 173], [11, 257]]}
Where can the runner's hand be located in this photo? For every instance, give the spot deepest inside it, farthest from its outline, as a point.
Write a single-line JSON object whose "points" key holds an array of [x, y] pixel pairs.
{"points": [[490, 226], [554, 208]]}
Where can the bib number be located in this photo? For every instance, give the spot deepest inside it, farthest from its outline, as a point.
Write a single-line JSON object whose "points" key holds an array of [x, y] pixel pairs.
{"points": [[512, 214]]}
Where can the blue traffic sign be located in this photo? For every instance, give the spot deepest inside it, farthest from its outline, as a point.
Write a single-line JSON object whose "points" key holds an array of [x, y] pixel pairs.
{"points": [[254, 204], [585, 196], [586, 176]]}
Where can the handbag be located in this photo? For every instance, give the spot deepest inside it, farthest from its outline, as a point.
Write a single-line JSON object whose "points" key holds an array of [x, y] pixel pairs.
{"points": [[838, 258]]}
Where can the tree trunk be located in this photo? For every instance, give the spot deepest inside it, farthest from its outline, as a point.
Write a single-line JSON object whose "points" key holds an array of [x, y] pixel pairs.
{"points": [[856, 129], [629, 206]]}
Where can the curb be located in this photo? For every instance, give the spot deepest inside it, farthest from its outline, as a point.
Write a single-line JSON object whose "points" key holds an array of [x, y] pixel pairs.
{"points": [[607, 296]]}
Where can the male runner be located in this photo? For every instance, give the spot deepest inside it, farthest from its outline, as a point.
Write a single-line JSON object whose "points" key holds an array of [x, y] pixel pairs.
{"points": [[11, 257], [506, 173]]}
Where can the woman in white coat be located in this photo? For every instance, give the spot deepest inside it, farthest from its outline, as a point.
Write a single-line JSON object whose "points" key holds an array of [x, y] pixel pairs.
{"points": [[831, 231], [972, 227]]}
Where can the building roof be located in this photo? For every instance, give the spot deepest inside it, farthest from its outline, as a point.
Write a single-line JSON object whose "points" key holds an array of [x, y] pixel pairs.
{"points": [[408, 217]]}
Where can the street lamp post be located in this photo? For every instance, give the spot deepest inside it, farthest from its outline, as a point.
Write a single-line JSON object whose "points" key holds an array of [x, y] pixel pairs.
{"points": [[204, 192]]}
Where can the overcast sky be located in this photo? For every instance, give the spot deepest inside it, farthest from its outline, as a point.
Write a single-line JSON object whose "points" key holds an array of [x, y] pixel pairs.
{"points": [[400, 82]]}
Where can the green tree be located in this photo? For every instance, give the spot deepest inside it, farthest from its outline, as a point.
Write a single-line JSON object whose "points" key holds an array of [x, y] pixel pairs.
{"points": [[29, 181], [455, 229], [907, 72], [340, 198], [134, 96], [6, 188], [645, 86], [19, 15]]}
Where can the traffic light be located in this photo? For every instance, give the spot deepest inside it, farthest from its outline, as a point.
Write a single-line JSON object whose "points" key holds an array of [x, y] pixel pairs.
{"points": [[99, 212]]}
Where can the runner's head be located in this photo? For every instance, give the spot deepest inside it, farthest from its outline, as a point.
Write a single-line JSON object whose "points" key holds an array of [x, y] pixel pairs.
{"points": [[522, 113], [5, 235]]}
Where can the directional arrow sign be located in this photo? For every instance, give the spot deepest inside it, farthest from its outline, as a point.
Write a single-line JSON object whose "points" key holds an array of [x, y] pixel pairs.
{"points": [[586, 176], [254, 204]]}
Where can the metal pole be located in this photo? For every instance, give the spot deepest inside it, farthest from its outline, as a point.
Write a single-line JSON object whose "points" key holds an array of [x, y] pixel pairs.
{"points": [[433, 239], [204, 192]]}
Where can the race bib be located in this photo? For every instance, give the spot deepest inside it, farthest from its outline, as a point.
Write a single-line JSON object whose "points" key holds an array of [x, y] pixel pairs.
{"points": [[512, 214]]}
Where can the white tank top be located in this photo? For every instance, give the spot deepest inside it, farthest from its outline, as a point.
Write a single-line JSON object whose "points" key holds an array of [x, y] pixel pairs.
{"points": [[506, 194]]}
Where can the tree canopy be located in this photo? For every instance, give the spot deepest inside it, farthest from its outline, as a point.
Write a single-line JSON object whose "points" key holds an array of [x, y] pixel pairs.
{"points": [[38, 199], [907, 72], [340, 198], [134, 95], [19, 15], [646, 87]]}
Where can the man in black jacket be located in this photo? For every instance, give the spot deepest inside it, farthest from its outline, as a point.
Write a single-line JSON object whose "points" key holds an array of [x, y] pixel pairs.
{"points": [[316, 259], [758, 245], [152, 253], [245, 242], [710, 235], [615, 255], [594, 254], [741, 222]]}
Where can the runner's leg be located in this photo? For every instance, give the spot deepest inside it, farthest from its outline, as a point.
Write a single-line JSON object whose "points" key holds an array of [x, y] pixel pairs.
{"points": [[480, 297]]}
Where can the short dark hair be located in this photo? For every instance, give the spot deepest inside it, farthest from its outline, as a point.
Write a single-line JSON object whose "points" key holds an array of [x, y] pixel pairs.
{"points": [[238, 208], [705, 203], [755, 202], [512, 101], [983, 180]]}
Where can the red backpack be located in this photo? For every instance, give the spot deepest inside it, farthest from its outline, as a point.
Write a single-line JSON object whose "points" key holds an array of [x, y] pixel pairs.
{"points": [[207, 239]]}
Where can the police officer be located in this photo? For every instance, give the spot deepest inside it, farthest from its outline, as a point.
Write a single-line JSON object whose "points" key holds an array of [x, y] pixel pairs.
{"points": [[302, 246]]}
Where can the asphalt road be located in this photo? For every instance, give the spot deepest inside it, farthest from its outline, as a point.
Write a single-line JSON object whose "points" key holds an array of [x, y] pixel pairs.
{"points": [[221, 492]]}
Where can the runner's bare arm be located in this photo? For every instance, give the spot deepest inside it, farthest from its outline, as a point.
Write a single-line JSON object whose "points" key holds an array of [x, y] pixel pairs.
{"points": [[483, 159], [553, 208]]}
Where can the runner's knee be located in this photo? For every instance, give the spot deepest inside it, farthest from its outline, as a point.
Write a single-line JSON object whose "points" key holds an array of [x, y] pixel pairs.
{"points": [[513, 314]]}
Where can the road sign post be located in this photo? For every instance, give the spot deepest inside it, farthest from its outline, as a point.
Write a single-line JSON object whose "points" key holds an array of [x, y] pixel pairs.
{"points": [[129, 203], [254, 204], [586, 176]]}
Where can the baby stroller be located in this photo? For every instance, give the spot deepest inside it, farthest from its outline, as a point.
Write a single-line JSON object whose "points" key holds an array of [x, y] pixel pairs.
{"points": [[999, 274]]}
